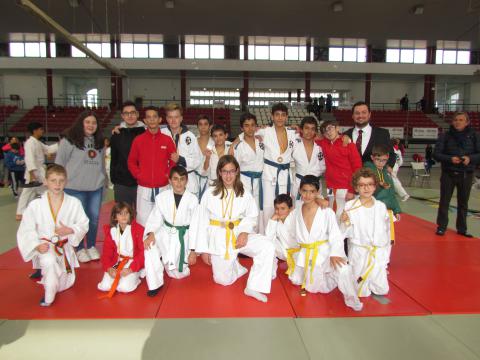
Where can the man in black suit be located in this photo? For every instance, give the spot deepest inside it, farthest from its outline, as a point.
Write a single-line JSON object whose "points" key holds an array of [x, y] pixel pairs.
{"points": [[366, 136]]}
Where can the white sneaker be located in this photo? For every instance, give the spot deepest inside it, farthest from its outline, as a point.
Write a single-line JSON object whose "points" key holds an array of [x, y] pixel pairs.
{"points": [[82, 256], [406, 197], [93, 253]]}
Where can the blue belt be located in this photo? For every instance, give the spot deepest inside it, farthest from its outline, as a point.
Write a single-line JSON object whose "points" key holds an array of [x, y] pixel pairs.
{"points": [[300, 177], [279, 167], [256, 175], [201, 188], [155, 192]]}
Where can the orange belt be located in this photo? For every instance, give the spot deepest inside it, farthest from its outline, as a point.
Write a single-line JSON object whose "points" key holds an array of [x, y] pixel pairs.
{"points": [[120, 266], [58, 247]]}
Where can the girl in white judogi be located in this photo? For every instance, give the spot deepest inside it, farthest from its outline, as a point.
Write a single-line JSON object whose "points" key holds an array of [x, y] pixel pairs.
{"points": [[278, 142], [367, 226], [167, 232], [318, 263], [223, 227], [248, 151], [122, 256], [309, 162], [52, 226]]}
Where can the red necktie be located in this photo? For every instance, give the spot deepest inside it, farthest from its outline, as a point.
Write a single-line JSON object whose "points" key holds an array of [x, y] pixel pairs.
{"points": [[359, 142]]}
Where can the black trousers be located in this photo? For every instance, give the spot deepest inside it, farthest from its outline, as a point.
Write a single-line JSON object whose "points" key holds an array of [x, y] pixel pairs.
{"points": [[448, 182], [127, 194]]}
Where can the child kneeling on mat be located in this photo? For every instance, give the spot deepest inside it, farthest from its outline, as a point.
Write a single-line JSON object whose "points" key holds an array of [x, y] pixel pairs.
{"points": [[223, 227], [318, 263], [167, 234], [122, 257], [52, 226]]}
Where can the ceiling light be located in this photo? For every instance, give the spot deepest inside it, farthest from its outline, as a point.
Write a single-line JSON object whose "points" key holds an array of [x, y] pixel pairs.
{"points": [[169, 4]]}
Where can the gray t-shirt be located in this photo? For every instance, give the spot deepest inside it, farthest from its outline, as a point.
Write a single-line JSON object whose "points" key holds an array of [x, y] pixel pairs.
{"points": [[85, 167]]}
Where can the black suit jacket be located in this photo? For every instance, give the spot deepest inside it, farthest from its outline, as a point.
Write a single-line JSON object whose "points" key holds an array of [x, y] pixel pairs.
{"points": [[378, 136]]}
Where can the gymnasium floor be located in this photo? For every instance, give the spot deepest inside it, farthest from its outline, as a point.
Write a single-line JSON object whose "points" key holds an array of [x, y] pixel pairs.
{"points": [[434, 314]]}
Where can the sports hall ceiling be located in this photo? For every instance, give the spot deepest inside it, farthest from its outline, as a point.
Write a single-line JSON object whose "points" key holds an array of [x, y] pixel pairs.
{"points": [[375, 20]]}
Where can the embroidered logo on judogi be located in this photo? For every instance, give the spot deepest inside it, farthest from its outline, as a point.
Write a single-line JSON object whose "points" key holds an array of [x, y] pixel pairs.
{"points": [[320, 156], [188, 140], [261, 146], [290, 144]]}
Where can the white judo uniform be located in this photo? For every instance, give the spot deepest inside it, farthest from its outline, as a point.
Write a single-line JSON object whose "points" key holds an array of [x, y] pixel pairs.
{"points": [[251, 168], [282, 235], [368, 232], [309, 262], [35, 152], [214, 229], [59, 263], [169, 252], [277, 175], [125, 249], [315, 167], [396, 181], [202, 175], [190, 156], [212, 167]]}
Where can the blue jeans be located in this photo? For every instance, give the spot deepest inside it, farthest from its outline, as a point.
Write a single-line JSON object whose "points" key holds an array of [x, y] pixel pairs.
{"points": [[91, 202]]}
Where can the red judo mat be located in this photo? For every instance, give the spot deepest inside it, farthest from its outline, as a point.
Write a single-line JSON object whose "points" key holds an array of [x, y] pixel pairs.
{"points": [[199, 297], [428, 274]]}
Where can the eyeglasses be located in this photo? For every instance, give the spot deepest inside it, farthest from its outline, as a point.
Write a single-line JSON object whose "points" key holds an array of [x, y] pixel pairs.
{"points": [[380, 160], [228, 172], [123, 213], [364, 186], [129, 113]]}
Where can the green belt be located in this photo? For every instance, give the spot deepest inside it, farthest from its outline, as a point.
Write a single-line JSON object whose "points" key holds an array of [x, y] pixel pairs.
{"points": [[181, 236]]}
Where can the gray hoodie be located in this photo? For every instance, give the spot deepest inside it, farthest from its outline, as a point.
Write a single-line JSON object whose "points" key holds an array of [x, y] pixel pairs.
{"points": [[85, 167]]}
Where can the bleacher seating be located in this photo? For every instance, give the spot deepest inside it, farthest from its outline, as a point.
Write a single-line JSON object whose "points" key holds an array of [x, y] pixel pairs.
{"points": [[56, 119], [473, 115], [6, 111], [389, 118], [295, 114]]}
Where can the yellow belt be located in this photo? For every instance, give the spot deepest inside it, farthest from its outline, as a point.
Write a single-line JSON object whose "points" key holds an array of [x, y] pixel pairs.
{"points": [[229, 226], [309, 247], [370, 264], [392, 227]]}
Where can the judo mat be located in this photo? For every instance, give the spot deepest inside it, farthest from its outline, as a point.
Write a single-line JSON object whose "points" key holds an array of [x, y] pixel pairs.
{"points": [[428, 274]]}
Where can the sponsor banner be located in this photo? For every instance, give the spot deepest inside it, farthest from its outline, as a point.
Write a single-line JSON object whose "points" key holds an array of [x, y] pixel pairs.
{"points": [[424, 133]]}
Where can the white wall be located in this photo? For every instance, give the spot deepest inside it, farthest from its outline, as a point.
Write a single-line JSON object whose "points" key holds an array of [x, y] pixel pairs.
{"points": [[151, 88], [393, 91], [30, 87]]}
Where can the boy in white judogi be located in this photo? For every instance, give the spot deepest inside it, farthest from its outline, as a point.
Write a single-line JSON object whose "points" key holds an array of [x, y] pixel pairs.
{"points": [[278, 142], [51, 228], [319, 263], [187, 154], [167, 233], [249, 153], [205, 142], [280, 229], [223, 227], [367, 226], [220, 147], [308, 156]]}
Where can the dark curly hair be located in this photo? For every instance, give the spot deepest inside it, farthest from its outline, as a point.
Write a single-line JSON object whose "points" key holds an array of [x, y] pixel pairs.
{"points": [[76, 135]]}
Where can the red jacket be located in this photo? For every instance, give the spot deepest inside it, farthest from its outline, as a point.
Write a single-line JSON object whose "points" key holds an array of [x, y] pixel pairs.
{"points": [[110, 254], [341, 162], [149, 159]]}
